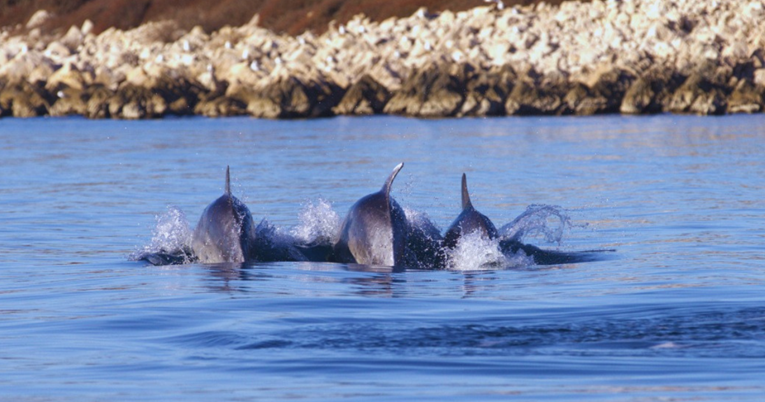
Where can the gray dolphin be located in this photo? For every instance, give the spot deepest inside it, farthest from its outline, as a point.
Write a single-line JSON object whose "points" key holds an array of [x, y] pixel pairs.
{"points": [[226, 231], [374, 231], [468, 221]]}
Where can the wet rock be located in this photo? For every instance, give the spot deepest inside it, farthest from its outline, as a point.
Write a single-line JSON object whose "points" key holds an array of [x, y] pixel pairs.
{"points": [[651, 92], [607, 91], [746, 98], [364, 97], [220, 106], [434, 91], [180, 95], [134, 102], [699, 94], [98, 102], [23, 100], [543, 97], [70, 101], [581, 100], [486, 92], [291, 98]]}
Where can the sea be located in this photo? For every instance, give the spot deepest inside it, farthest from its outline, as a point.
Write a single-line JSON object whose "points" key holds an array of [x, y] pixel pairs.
{"points": [[673, 309]]}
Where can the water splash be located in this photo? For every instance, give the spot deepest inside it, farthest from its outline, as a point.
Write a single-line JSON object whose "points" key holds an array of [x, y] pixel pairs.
{"points": [[477, 252], [170, 241], [548, 221], [319, 223]]}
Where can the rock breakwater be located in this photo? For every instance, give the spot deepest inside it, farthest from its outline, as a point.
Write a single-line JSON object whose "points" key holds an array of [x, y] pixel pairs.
{"points": [[632, 57]]}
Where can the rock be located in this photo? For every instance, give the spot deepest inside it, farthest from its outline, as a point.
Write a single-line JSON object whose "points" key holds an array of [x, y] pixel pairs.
{"points": [[98, 102], [487, 91], [705, 57], [746, 98], [698, 95], [180, 95], [291, 98], [87, 27], [220, 106], [23, 100], [38, 18], [73, 38], [364, 97], [545, 96], [66, 77], [581, 100], [434, 91], [135, 102], [607, 91], [70, 101], [650, 92]]}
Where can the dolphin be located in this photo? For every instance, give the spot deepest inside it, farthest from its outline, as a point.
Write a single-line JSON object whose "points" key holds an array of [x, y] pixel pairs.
{"points": [[375, 230], [226, 231], [468, 221]]}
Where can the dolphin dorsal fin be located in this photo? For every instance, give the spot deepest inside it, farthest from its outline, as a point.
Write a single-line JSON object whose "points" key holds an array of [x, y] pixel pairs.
{"points": [[228, 182], [465, 195], [388, 183]]}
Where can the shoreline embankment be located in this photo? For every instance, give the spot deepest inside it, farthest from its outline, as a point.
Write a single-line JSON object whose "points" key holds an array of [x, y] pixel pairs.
{"points": [[632, 57]]}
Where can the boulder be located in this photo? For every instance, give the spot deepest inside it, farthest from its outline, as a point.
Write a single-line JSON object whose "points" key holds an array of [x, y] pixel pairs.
{"points": [[218, 105], [650, 92], [699, 94], [543, 96], [746, 98], [290, 97], [135, 102], [607, 91], [23, 100], [486, 92], [70, 101], [180, 94], [437, 90], [98, 102], [365, 96]]}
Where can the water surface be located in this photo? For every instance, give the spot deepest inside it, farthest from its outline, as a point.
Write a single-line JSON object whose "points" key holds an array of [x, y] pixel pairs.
{"points": [[678, 313]]}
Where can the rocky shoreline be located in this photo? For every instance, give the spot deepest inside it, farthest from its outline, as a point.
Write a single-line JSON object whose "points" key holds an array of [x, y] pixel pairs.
{"points": [[631, 57]]}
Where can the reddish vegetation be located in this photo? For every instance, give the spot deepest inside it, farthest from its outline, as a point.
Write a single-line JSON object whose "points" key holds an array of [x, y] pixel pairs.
{"points": [[289, 16]]}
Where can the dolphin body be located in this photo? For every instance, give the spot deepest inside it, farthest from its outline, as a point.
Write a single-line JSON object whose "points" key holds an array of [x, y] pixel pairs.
{"points": [[226, 230], [468, 221], [375, 230]]}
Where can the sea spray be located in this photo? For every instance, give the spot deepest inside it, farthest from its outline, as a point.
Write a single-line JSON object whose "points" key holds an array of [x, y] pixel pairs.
{"points": [[548, 221], [319, 223], [170, 242], [474, 251]]}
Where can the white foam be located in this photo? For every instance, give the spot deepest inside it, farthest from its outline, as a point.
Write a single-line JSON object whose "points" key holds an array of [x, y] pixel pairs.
{"points": [[477, 252], [171, 233], [318, 222]]}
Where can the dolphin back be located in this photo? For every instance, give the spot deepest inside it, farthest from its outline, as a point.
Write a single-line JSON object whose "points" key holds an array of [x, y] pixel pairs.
{"points": [[226, 230], [374, 231], [469, 221]]}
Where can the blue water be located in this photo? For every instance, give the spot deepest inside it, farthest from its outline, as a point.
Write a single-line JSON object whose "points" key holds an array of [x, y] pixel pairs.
{"points": [[676, 313]]}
